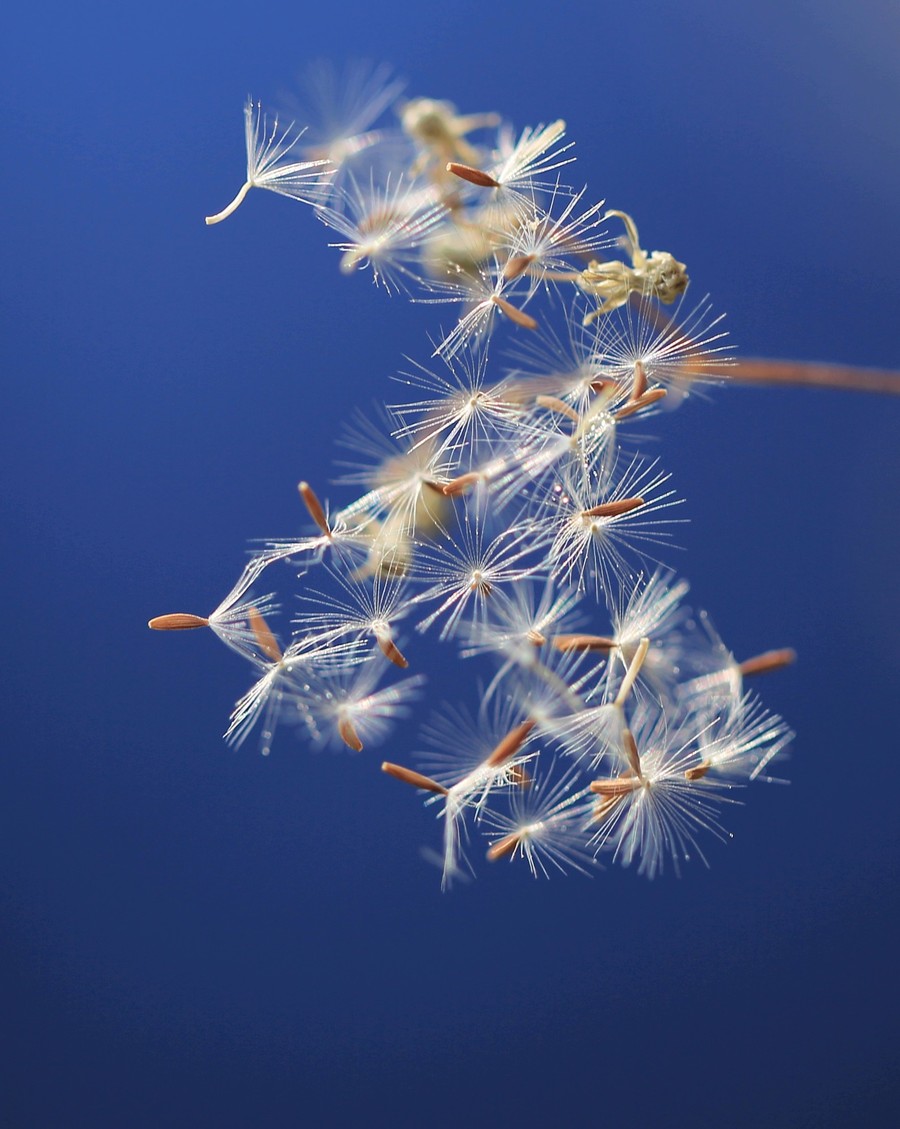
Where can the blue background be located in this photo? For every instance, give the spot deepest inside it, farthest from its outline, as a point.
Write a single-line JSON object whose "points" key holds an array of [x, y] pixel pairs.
{"points": [[197, 936]]}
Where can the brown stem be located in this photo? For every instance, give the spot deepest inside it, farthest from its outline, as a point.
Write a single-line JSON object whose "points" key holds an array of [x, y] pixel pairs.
{"points": [[814, 374]]}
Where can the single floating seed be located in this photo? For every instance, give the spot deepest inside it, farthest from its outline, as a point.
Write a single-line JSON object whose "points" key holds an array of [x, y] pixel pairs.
{"points": [[312, 503], [349, 735], [698, 771], [510, 744], [266, 641], [517, 317], [768, 660], [603, 809], [651, 396], [177, 621], [416, 779], [639, 384], [391, 651], [473, 176], [503, 847], [614, 509], [554, 404], [614, 789], [583, 642], [631, 752], [517, 265], [459, 485]]}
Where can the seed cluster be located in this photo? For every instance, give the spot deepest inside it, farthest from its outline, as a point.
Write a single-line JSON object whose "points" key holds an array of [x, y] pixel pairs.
{"points": [[504, 510]]}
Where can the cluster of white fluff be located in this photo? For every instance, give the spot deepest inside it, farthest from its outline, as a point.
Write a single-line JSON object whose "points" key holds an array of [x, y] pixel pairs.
{"points": [[506, 512]]}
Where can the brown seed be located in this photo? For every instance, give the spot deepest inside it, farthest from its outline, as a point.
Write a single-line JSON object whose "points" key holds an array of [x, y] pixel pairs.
{"points": [[698, 771], [348, 734], [554, 404], [517, 317], [265, 640], [615, 789], [639, 383], [416, 779], [510, 744], [631, 752], [769, 660], [651, 396], [312, 503], [473, 176], [516, 265], [391, 651], [459, 485], [583, 642], [614, 509], [604, 808], [177, 621], [503, 847]]}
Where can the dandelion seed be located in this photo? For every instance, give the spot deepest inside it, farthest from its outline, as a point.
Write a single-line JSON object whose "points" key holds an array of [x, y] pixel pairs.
{"points": [[545, 826], [465, 412], [657, 812], [473, 759], [269, 148], [465, 573], [284, 688], [587, 534], [367, 608], [347, 706], [383, 226], [344, 106], [233, 620]]}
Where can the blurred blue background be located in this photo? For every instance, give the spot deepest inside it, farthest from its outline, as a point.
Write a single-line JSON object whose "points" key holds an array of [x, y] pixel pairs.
{"points": [[195, 936]]}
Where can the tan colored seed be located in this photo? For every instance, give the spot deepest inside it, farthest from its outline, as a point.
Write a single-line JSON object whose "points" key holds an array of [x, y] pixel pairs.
{"points": [[615, 789], [391, 651], [631, 752], [583, 642], [698, 771], [349, 736], [459, 485], [503, 847], [265, 640], [639, 383], [554, 404], [516, 265], [614, 509], [651, 396], [416, 779], [473, 176], [605, 807], [517, 317], [510, 744], [312, 503], [769, 660], [177, 621]]}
